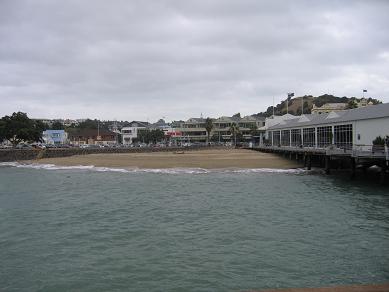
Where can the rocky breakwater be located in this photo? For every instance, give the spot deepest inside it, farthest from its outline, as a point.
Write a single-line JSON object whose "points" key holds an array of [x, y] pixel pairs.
{"points": [[7, 155]]}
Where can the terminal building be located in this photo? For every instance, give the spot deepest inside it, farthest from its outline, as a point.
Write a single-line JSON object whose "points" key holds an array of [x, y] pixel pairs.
{"points": [[347, 129]]}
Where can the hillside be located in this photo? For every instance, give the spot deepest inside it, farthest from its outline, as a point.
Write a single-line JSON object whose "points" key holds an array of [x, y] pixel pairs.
{"points": [[294, 104]]}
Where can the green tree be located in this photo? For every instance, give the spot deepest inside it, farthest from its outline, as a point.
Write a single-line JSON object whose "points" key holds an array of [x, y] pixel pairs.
{"points": [[18, 127], [352, 104], [234, 130], [150, 136], [208, 127], [2, 130], [57, 125]]}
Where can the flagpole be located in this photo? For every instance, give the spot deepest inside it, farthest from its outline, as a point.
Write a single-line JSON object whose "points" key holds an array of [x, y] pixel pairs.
{"points": [[273, 107]]}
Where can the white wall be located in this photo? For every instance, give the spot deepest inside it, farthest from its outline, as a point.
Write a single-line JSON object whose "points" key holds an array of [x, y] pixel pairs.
{"points": [[369, 130], [133, 135]]}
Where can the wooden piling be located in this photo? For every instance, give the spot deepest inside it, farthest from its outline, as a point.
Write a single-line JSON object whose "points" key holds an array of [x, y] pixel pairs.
{"points": [[309, 162], [327, 166], [383, 172], [353, 168]]}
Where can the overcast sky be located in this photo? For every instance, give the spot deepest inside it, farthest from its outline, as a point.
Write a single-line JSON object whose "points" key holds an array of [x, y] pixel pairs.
{"points": [[146, 60]]}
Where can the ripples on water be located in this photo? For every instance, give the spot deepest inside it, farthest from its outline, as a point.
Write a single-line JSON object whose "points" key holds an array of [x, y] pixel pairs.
{"points": [[83, 230]]}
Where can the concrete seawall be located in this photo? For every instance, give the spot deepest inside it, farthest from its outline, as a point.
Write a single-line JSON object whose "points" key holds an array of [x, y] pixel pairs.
{"points": [[7, 155]]}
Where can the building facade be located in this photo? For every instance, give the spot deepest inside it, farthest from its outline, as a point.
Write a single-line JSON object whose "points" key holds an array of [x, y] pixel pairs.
{"points": [[346, 129], [93, 137], [130, 133], [54, 137], [328, 107], [193, 130]]}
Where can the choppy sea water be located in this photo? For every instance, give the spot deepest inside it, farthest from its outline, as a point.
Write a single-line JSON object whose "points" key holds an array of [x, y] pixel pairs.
{"points": [[98, 229]]}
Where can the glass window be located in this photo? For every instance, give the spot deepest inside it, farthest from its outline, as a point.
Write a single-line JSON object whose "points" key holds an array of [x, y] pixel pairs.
{"points": [[296, 137], [324, 136], [309, 137], [343, 136], [285, 137]]}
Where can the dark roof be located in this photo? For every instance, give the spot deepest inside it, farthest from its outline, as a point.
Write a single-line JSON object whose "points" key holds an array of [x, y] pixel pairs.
{"points": [[140, 123], [90, 133]]}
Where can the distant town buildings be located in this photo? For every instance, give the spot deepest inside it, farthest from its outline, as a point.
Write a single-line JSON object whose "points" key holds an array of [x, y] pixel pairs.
{"points": [[193, 130], [340, 106]]}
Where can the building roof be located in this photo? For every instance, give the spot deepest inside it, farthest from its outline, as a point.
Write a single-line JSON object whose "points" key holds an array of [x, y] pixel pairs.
{"points": [[362, 113], [91, 133], [139, 123]]}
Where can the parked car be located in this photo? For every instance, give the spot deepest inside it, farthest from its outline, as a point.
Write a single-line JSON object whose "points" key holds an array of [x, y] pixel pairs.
{"points": [[23, 146], [38, 146]]}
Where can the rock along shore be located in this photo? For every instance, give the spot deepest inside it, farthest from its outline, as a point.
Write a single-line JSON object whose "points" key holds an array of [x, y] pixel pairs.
{"points": [[7, 155]]}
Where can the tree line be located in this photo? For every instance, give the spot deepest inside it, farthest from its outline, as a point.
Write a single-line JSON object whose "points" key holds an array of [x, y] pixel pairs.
{"points": [[18, 127]]}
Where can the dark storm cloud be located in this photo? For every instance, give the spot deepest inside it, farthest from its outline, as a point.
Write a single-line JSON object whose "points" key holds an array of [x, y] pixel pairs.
{"points": [[148, 59]]}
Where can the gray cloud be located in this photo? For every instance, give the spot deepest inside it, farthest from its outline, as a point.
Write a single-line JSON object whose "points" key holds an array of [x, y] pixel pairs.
{"points": [[148, 59]]}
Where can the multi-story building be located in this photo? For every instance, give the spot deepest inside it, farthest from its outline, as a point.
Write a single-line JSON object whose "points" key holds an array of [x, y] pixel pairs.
{"points": [[193, 130], [130, 133]]}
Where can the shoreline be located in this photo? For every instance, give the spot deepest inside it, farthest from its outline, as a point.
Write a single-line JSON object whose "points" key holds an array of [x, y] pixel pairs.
{"points": [[201, 159]]}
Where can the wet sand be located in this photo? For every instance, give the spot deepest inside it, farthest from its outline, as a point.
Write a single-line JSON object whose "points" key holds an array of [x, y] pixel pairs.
{"points": [[208, 159], [353, 288]]}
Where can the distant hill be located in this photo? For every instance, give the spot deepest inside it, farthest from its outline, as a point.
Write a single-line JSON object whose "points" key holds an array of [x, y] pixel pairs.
{"points": [[294, 104]]}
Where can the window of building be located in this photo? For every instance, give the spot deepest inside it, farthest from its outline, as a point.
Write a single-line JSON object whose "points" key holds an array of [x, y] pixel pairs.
{"points": [[343, 136], [285, 137], [324, 136], [276, 138], [296, 137], [309, 137]]}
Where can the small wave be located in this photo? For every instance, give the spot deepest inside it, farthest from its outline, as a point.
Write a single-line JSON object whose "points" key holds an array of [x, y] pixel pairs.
{"points": [[178, 170]]}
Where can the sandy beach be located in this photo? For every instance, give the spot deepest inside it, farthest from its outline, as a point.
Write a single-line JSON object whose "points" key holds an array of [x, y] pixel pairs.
{"points": [[208, 159]]}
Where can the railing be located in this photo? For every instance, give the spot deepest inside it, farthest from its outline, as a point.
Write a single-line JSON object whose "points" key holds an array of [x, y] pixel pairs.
{"points": [[377, 151], [346, 149]]}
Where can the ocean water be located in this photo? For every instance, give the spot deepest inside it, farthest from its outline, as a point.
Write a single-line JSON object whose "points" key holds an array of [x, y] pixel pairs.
{"points": [[98, 229]]}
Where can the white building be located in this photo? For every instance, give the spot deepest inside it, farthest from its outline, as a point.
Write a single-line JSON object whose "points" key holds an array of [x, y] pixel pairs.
{"points": [[345, 129], [328, 107], [129, 134]]}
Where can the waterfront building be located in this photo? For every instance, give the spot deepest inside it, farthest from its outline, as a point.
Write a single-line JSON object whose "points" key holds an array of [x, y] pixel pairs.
{"points": [[347, 129], [54, 137], [130, 133], [93, 137]]}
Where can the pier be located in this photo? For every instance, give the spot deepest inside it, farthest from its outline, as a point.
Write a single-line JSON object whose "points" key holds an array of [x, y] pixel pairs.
{"points": [[358, 157]]}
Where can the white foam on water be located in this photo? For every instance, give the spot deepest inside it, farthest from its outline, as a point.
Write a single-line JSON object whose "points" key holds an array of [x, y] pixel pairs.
{"points": [[178, 170]]}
